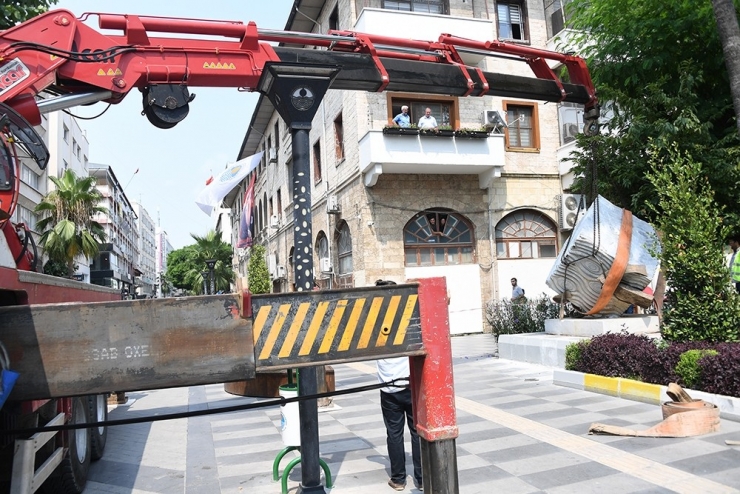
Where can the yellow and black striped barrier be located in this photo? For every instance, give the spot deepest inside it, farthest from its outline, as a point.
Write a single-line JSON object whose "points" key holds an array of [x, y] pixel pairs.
{"points": [[307, 328]]}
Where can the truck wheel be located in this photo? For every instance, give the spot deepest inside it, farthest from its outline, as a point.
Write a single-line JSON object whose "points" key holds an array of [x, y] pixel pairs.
{"points": [[98, 405], [70, 476]]}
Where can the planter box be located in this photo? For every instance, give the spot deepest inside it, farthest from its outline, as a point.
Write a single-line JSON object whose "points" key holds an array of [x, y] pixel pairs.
{"points": [[267, 384], [471, 134], [400, 131]]}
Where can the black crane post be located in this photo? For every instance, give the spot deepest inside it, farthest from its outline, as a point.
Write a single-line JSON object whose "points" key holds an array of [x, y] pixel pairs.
{"points": [[296, 91]]}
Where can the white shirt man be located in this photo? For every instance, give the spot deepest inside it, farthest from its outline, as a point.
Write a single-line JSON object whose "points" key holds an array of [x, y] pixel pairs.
{"points": [[428, 121]]}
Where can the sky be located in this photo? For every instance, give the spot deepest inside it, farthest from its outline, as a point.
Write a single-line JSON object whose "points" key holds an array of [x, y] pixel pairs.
{"points": [[174, 164]]}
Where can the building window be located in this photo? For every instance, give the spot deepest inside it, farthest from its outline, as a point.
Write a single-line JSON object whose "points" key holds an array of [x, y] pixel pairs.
{"points": [[344, 249], [65, 133], [522, 133], [526, 234], [334, 18], [279, 204], [444, 110], [317, 162], [30, 177], [556, 16], [27, 217], [438, 237], [78, 152], [427, 6], [277, 136], [511, 20], [322, 247], [339, 138]]}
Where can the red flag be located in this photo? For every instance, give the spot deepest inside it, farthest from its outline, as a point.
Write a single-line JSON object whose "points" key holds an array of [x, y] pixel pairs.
{"points": [[246, 224], [208, 182]]}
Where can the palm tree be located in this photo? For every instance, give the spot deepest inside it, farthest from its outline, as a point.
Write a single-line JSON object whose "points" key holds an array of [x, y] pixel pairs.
{"points": [[67, 227], [211, 246]]}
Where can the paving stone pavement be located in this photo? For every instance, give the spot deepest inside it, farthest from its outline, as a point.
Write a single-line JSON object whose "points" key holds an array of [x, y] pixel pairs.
{"points": [[519, 433]]}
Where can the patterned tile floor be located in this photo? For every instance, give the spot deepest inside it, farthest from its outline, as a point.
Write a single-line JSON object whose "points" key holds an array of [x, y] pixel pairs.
{"points": [[518, 434]]}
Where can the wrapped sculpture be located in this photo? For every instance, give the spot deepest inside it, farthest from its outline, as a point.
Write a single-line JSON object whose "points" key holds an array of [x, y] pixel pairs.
{"points": [[607, 263]]}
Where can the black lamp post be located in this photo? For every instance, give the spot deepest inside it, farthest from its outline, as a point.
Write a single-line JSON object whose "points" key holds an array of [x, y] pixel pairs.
{"points": [[205, 282], [211, 264], [296, 92]]}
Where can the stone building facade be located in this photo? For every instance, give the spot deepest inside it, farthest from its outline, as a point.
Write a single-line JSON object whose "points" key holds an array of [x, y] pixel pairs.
{"points": [[477, 211]]}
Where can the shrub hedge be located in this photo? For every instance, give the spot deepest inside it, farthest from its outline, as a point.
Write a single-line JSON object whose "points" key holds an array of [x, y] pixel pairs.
{"points": [[505, 317], [713, 368]]}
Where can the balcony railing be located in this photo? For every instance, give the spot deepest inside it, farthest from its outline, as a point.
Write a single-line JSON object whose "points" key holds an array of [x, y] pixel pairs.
{"points": [[427, 27], [429, 154]]}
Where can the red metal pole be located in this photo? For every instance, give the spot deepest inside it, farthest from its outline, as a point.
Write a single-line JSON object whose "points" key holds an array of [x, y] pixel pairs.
{"points": [[433, 391]]}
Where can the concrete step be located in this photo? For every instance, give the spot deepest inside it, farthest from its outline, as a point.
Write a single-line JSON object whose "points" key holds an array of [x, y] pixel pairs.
{"points": [[536, 348]]}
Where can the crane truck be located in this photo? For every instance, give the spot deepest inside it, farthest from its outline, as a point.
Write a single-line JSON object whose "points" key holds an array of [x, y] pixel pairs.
{"points": [[71, 63]]}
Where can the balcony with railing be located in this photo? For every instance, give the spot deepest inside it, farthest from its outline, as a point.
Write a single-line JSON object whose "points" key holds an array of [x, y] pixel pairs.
{"points": [[428, 27], [431, 154]]}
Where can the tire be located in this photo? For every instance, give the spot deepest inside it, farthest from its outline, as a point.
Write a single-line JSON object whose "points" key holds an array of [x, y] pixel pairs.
{"points": [[70, 476], [98, 405]]}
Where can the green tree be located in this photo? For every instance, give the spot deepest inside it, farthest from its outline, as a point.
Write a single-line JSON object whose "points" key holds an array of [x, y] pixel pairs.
{"points": [[660, 67], [67, 226], [210, 246], [180, 263], [701, 304], [14, 11], [257, 274]]}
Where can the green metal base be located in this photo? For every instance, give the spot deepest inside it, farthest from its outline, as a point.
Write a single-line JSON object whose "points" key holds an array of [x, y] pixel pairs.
{"points": [[291, 465]]}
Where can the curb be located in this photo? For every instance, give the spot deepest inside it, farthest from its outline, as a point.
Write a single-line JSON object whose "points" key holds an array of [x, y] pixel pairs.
{"points": [[628, 389]]}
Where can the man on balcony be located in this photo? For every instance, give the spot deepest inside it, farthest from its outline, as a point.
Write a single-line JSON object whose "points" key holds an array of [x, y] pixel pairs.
{"points": [[428, 121], [403, 119]]}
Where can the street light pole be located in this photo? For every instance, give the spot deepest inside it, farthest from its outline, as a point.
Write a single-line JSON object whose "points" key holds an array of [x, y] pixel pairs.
{"points": [[205, 282], [211, 264]]}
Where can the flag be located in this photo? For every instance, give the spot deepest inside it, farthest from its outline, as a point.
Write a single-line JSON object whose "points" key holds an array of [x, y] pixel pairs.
{"points": [[246, 224], [214, 193]]}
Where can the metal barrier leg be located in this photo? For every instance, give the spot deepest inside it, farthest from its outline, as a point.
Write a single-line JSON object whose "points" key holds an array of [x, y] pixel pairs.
{"points": [[293, 463], [286, 472], [278, 459], [431, 379]]}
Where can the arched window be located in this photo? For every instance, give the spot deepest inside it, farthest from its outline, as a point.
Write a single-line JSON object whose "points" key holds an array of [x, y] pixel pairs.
{"points": [[322, 246], [344, 249], [526, 234], [438, 237]]}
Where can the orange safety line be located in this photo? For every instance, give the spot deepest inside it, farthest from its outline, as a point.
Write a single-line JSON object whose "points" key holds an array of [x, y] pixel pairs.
{"points": [[619, 266]]}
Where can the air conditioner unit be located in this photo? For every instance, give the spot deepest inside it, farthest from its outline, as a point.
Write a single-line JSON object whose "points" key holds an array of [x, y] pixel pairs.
{"points": [[325, 265], [279, 272], [274, 221], [570, 130], [572, 209], [332, 205], [494, 119], [272, 265], [272, 155]]}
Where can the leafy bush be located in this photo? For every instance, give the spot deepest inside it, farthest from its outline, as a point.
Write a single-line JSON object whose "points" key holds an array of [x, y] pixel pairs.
{"points": [[505, 317], [721, 373], [616, 355], [700, 305], [573, 353], [658, 362], [688, 366]]}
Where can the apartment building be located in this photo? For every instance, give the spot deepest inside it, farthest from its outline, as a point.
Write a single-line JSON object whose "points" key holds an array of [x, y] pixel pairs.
{"points": [[147, 253], [477, 211], [68, 149], [163, 248], [116, 264]]}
